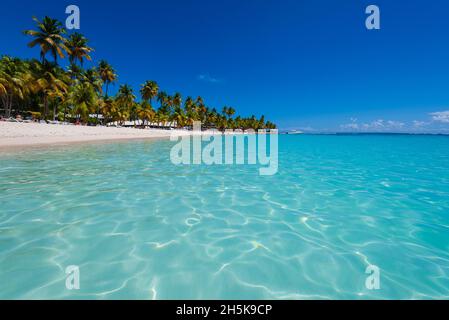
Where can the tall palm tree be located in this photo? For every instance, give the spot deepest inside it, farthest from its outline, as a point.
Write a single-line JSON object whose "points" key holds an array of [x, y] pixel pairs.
{"points": [[190, 110], [178, 116], [162, 97], [164, 106], [79, 50], [12, 82], [125, 100], [177, 100], [50, 38], [83, 99], [108, 108], [107, 74], [145, 112], [75, 71], [92, 76], [50, 81], [149, 90], [228, 111]]}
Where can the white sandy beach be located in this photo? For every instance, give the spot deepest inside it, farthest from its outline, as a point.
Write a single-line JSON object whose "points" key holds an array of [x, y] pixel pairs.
{"points": [[14, 134]]}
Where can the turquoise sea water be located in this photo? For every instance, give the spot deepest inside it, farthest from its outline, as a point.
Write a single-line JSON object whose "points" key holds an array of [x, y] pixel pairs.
{"points": [[140, 227]]}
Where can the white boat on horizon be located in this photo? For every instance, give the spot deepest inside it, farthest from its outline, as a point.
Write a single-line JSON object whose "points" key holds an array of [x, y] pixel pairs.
{"points": [[294, 132]]}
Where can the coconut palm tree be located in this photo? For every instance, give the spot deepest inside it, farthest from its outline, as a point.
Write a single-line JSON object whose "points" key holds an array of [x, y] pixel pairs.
{"points": [[149, 90], [162, 98], [78, 48], [75, 71], [50, 81], [177, 100], [125, 100], [146, 112], [107, 74], [228, 111], [108, 108], [12, 82], [49, 36], [83, 99], [93, 77], [164, 106], [178, 116]]}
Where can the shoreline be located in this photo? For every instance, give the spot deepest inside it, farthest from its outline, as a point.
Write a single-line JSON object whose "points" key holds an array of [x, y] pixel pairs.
{"points": [[22, 135]]}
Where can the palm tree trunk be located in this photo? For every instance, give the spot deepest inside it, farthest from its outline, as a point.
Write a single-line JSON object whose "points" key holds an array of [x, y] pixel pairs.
{"points": [[65, 110], [45, 107], [98, 111], [8, 106]]}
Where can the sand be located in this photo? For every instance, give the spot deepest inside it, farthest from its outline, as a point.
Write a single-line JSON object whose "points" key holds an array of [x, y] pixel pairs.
{"points": [[14, 134]]}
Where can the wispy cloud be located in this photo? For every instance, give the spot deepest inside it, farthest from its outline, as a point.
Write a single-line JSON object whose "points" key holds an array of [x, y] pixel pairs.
{"points": [[420, 124], [379, 125], [442, 116], [437, 123], [207, 78]]}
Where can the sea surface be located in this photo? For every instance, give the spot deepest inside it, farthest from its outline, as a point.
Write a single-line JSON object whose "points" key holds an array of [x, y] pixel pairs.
{"points": [[140, 227]]}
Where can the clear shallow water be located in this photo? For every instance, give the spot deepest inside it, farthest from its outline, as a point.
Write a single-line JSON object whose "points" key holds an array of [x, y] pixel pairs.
{"points": [[140, 227]]}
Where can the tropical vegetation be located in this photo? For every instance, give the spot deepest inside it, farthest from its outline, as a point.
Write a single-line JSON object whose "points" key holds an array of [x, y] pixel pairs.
{"points": [[45, 90]]}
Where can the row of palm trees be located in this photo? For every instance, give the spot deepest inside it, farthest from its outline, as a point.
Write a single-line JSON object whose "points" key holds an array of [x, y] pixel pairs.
{"points": [[47, 91]]}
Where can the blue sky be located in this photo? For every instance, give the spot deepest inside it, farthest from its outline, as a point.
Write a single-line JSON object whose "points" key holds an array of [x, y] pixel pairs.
{"points": [[303, 64]]}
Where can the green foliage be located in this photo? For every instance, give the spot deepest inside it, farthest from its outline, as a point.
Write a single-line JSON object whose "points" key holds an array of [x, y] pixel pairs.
{"points": [[76, 94]]}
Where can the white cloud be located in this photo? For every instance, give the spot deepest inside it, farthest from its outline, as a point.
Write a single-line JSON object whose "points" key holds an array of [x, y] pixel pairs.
{"points": [[379, 125], [442, 116], [207, 78], [419, 124], [353, 126]]}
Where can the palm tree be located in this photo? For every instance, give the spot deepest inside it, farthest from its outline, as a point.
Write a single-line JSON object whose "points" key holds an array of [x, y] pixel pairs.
{"points": [[83, 99], [108, 108], [190, 111], [125, 100], [12, 82], [178, 116], [177, 100], [149, 90], [50, 81], [261, 123], [79, 50], [50, 38], [92, 76], [145, 112], [164, 109], [162, 98], [228, 111], [107, 74], [75, 71]]}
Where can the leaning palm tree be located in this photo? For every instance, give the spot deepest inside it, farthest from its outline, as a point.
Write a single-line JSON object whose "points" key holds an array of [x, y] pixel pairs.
{"points": [[50, 38], [149, 90], [107, 74], [79, 50]]}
